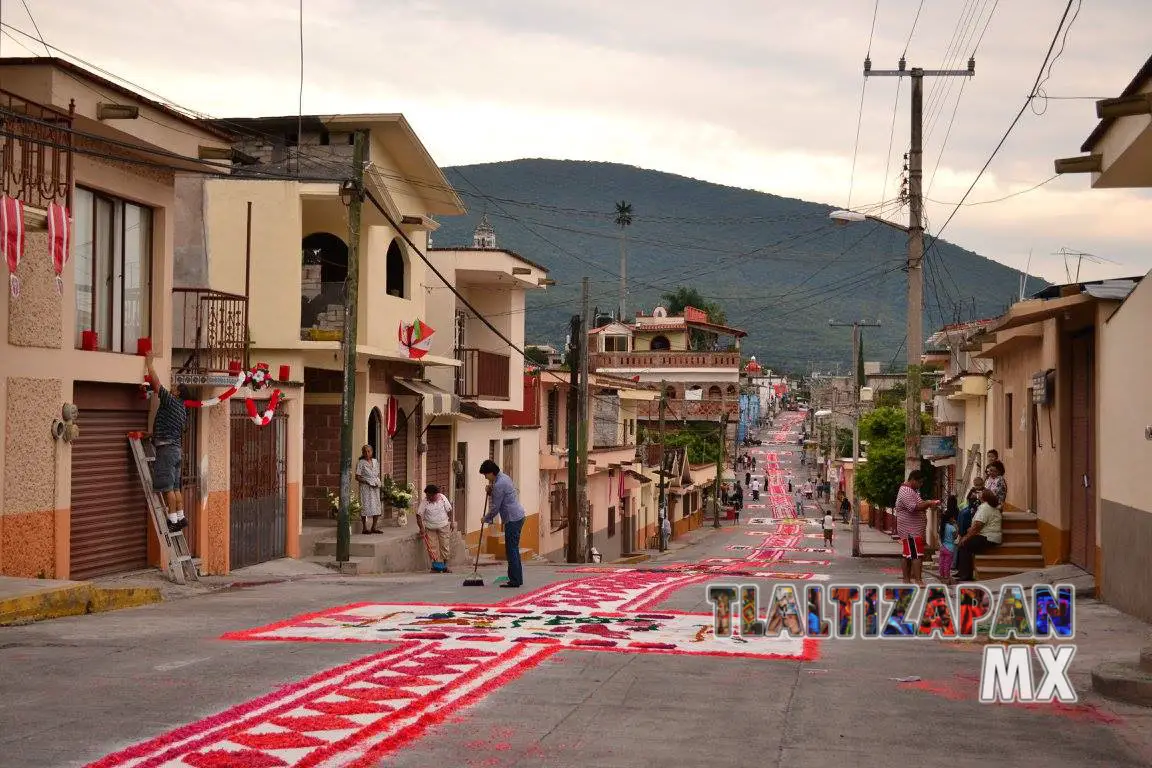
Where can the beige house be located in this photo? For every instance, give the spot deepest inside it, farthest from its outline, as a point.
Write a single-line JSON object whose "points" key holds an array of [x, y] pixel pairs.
{"points": [[1119, 154], [489, 382], [1046, 390], [282, 243], [73, 507]]}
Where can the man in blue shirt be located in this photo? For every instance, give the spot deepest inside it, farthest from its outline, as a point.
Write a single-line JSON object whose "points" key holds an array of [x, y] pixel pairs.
{"points": [[503, 501]]}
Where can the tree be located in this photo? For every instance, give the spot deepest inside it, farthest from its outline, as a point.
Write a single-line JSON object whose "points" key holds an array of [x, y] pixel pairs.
{"points": [[684, 297], [623, 220], [536, 355], [881, 476]]}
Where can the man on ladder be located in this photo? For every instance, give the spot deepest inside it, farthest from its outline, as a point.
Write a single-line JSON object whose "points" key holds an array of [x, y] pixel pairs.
{"points": [[167, 418]]}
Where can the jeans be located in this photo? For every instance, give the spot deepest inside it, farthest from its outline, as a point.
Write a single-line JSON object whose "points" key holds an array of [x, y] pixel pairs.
{"points": [[512, 551], [966, 555]]}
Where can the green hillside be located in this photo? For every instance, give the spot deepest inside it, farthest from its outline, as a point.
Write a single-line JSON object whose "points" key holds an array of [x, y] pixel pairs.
{"points": [[779, 267]]}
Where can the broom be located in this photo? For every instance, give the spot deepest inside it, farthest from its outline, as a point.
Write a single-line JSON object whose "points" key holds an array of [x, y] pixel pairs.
{"points": [[476, 580]]}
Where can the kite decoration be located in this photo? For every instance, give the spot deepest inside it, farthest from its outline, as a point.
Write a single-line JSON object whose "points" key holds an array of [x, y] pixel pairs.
{"points": [[416, 339], [12, 239], [393, 422], [59, 241]]}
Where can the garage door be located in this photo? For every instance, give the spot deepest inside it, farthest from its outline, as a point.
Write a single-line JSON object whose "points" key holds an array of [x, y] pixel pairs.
{"points": [[109, 528]]}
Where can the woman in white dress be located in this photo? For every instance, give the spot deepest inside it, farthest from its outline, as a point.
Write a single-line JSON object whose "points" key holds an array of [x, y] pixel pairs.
{"points": [[368, 475]]}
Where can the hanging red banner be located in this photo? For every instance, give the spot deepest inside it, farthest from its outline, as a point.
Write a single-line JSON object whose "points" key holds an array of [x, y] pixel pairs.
{"points": [[59, 240], [12, 238], [393, 413]]}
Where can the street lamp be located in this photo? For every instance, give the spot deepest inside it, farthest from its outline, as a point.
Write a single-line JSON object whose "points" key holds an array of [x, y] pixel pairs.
{"points": [[915, 323]]}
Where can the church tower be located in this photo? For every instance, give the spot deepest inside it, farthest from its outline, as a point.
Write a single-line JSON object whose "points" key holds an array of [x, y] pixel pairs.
{"points": [[485, 235]]}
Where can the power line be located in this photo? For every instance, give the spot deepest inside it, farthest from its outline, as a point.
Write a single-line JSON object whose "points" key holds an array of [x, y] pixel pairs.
{"points": [[912, 31], [35, 26], [1012, 125]]}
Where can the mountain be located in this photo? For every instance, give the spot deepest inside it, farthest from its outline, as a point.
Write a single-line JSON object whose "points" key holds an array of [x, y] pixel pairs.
{"points": [[778, 266]]}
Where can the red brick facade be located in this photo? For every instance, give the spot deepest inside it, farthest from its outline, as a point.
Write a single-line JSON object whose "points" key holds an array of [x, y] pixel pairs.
{"points": [[440, 458], [321, 458]]}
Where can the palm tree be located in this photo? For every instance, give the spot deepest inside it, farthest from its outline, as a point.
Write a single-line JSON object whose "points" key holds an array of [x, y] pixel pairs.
{"points": [[623, 220]]}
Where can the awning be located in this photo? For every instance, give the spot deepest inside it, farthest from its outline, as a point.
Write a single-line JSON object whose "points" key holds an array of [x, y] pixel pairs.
{"points": [[437, 402], [644, 479], [944, 462]]}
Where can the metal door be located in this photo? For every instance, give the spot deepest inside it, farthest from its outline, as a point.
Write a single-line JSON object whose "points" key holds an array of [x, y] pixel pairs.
{"points": [[259, 492]]}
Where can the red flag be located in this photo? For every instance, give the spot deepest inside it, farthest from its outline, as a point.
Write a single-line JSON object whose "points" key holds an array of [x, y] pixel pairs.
{"points": [[12, 238], [59, 238], [391, 422], [623, 493]]}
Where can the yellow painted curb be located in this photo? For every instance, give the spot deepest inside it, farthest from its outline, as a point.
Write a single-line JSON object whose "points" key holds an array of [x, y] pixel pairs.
{"points": [[55, 603], [633, 559]]}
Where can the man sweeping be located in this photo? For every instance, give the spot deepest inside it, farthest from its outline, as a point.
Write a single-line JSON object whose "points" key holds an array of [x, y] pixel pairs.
{"points": [[167, 418], [434, 518], [503, 501]]}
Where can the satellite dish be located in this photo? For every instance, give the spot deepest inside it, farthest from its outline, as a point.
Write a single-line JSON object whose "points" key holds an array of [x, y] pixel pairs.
{"points": [[659, 312]]}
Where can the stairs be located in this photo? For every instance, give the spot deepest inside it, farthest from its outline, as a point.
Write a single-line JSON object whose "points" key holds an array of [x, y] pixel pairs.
{"points": [[493, 546], [1020, 552]]}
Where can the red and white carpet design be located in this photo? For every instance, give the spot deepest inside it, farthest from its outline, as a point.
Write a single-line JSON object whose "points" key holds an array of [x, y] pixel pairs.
{"points": [[445, 657]]}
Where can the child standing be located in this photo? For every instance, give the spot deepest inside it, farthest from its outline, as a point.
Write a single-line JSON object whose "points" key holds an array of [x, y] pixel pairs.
{"points": [[829, 526], [948, 533]]}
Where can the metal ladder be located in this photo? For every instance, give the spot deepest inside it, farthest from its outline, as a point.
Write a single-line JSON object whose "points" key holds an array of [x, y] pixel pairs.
{"points": [[181, 568]]}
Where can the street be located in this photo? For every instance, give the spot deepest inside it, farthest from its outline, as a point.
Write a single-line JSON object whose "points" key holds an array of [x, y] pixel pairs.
{"points": [[420, 671]]}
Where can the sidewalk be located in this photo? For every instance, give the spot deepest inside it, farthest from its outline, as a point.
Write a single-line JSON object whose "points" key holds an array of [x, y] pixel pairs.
{"points": [[27, 600]]}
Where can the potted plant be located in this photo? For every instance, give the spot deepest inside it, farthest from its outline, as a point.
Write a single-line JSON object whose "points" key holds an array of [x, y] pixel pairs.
{"points": [[354, 506], [398, 496]]}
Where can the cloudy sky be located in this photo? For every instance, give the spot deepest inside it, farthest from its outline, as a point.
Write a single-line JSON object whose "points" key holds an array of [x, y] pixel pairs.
{"points": [[756, 94]]}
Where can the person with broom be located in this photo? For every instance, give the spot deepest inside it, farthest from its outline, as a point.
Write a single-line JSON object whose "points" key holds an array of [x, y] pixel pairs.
{"points": [[503, 501]]}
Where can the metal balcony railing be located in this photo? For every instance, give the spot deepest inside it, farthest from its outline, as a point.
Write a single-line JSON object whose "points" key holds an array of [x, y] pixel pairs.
{"points": [[213, 326], [483, 376], [35, 152], [665, 359]]}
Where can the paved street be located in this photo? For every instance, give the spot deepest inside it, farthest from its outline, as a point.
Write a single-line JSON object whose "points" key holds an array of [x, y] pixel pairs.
{"points": [[347, 671]]}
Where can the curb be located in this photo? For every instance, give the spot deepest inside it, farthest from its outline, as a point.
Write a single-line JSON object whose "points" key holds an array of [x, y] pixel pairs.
{"points": [[55, 603]]}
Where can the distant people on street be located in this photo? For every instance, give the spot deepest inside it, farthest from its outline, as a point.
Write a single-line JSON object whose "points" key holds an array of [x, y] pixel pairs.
{"points": [[912, 525], [755, 489], [995, 481], [829, 527], [986, 532], [747, 478], [368, 476], [798, 499], [845, 507], [504, 501], [789, 482], [948, 536], [808, 490]]}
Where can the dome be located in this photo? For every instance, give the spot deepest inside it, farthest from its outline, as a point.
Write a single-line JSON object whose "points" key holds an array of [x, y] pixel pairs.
{"points": [[753, 367]]}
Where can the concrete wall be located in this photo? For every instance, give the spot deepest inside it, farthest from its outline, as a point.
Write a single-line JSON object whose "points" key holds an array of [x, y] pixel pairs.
{"points": [[1124, 512]]}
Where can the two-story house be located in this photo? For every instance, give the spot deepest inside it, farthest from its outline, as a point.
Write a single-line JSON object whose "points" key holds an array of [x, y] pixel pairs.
{"points": [[489, 381], [283, 243], [72, 503]]}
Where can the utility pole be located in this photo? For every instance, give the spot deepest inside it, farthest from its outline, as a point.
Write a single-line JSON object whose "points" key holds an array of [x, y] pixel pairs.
{"points": [[661, 512], [577, 337], [915, 319], [585, 434], [720, 461], [348, 342], [857, 383]]}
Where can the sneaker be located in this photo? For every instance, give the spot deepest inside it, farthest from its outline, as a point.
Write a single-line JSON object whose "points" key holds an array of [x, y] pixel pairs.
{"points": [[179, 525]]}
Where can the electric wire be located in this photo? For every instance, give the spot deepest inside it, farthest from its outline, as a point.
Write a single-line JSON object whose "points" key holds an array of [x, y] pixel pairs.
{"points": [[35, 26]]}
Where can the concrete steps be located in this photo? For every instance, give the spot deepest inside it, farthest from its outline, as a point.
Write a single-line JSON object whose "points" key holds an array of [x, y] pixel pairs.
{"points": [[397, 551], [1126, 681], [1020, 551]]}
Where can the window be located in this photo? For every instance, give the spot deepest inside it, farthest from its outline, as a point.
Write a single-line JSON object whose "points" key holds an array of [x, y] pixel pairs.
{"points": [[508, 467], [494, 450], [558, 499], [670, 393], [714, 392], [611, 521], [1008, 414], [615, 343], [396, 271], [553, 416], [731, 389], [660, 343], [113, 255]]}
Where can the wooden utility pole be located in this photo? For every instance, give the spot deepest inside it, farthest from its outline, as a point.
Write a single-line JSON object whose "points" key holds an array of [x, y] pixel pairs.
{"points": [[661, 511], [585, 433], [348, 343], [720, 464], [857, 383], [576, 344], [915, 310]]}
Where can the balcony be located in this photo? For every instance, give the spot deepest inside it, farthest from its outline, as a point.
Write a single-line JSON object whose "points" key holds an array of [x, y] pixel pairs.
{"points": [[692, 410], [212, 326], [483, 375], [35, 152], [321, 311], [664, 359]]}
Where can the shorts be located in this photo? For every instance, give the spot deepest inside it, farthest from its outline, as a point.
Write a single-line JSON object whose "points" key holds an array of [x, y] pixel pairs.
{"points": [[166, 468], [827, 534], [913, 547]]}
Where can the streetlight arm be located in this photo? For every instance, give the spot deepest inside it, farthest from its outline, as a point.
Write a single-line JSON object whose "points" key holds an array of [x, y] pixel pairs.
{"points": [[847, 217]]}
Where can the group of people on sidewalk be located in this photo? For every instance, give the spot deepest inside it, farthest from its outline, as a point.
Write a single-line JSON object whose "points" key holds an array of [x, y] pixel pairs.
{"points": [[964, 532]]}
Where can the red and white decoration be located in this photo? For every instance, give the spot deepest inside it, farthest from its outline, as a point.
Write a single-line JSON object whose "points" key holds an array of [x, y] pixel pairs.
{"points": [[392, 422], [256, 379], [59, 241], [12, 239]]}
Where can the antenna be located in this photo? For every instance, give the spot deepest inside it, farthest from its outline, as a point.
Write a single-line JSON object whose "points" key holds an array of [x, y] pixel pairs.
{"points": [[1024, 275], [1081, 256]]}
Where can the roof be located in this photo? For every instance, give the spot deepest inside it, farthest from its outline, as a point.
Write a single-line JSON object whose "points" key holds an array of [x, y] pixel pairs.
{"points": [[505, 251], [1130, 90], [208, 127], [1108, 290], [429, 180]]}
